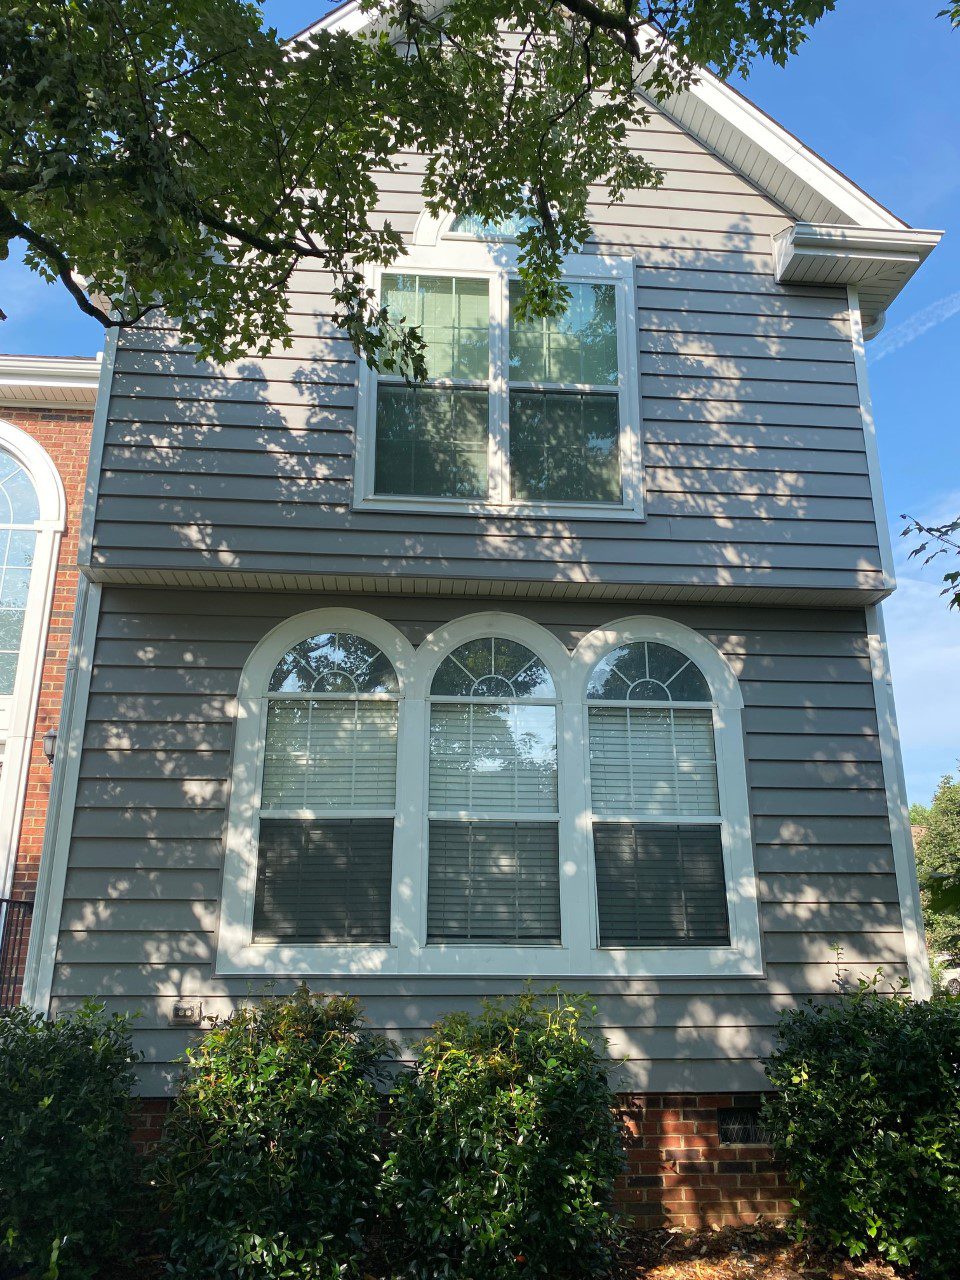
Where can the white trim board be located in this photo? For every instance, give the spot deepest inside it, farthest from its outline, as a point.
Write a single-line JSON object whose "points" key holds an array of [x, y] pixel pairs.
{"points": [[61, 807], [914, 941]]}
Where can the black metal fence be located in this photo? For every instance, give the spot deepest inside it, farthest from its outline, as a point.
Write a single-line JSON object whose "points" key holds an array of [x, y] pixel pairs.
{"points": [[14, 931]]}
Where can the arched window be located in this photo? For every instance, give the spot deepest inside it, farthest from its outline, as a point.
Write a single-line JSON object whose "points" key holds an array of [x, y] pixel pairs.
{"points": [[657, 825], [493, 806], [19, 513], [471, 224], [328, 794]]}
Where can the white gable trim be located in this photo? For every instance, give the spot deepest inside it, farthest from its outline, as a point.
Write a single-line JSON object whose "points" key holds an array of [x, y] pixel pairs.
{"points": [[743, 136]]}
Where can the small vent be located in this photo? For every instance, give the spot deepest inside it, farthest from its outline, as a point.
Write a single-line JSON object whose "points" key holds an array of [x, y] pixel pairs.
{"points": [[741, 1127]]}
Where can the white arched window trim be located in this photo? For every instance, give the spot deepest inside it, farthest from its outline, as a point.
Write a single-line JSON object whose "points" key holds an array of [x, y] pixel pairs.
{"points": [[437, 251], [20, 714], [407, 953]]}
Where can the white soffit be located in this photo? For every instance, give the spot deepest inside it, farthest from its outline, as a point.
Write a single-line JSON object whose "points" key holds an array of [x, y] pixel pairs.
{"points": [[879, 261], [49, 381]]}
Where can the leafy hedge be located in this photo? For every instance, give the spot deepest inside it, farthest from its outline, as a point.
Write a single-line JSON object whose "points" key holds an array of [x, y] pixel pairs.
{"points": [[269, 1164], [505, 1148], [867, 1121], [67, 1166]]}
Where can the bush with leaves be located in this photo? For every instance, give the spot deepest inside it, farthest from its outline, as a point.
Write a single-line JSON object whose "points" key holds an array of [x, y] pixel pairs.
{"points": [[67, 1165], [270, 1158], [867, 1122], [505, 1148]]}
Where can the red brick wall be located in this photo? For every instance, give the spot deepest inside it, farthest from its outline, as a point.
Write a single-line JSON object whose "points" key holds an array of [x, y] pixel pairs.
{"points": [[65, 434], [677, 1173]]}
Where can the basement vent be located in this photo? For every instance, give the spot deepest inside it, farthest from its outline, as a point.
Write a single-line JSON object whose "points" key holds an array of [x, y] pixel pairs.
{"points": [[741, 1127]]}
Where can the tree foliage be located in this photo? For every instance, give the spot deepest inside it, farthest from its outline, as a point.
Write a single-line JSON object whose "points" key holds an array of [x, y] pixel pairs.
{"points": [[938, 868], [177, 154]]}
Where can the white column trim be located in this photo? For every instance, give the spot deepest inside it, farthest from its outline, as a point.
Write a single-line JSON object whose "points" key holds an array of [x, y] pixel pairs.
{"points": [[98, 432], [870, 440], [914, 941], [54, 861]]}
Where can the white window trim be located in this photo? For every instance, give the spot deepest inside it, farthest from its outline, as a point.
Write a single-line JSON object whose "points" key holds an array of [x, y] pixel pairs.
{"points": [[577, 955], [20, 711], [451, 255]]}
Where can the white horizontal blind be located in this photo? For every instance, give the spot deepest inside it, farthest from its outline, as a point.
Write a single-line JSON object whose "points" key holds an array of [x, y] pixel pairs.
{"points": [[324, 881], [660, 884], [493, 757], [494, 882], [653, 761], [330, 754]]}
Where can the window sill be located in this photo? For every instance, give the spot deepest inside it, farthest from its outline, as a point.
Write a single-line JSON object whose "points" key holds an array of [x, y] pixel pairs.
{"points": [[500, 510], [270, 961]]}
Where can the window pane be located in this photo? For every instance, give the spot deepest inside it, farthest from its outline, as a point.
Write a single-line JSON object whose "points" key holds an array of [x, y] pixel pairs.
{"points": [[647, 671], [491, 667], [655, 762], [431, 442], [487, 758], [471, 224], [659, 885], [454, 316], [493, 882], [564, 447], [578, 346], [330, 754], [334, 662], [324, 881]]}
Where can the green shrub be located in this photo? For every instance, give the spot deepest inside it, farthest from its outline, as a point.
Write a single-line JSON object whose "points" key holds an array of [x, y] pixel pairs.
{"points": [[505, 1148], [67, 1165], [867, 1121], [270, 1158]]}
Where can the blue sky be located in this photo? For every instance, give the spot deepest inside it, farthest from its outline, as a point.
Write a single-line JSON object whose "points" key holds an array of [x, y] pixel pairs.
{"points": [[879, 96]]}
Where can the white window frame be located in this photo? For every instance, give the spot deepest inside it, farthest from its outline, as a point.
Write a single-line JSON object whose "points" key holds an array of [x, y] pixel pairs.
{"points": [[577, 954], [439, 253]]}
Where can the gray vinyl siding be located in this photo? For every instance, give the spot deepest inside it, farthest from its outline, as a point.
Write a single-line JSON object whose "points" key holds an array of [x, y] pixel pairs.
{"points": [[755, 468], [140, 915]]}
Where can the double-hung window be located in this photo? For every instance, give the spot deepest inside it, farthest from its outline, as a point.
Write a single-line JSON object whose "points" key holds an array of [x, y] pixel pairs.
{"points": [[523, 416], [656, 816], [493, 798], [327, 795]]}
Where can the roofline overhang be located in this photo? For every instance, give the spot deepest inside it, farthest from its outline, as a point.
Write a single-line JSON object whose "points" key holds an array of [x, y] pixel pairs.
{"points": [[49, 381], [877, 261]]}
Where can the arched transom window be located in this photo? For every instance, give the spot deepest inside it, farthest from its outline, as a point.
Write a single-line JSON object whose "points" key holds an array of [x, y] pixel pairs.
{"points": [[655, 800], [328, 794], [493, 797]]}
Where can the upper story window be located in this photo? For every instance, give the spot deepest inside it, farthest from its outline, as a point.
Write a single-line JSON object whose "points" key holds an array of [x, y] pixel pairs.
{"points": [[525, 417], [328, 794], [488, 802]]}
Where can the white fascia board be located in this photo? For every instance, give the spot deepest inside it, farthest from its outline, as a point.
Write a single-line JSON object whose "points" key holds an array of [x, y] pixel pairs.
{"points": [[748, 121]]}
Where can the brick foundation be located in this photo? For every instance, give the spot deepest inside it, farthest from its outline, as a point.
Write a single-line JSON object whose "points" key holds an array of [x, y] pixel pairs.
{"points": [[677, 1174]]}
